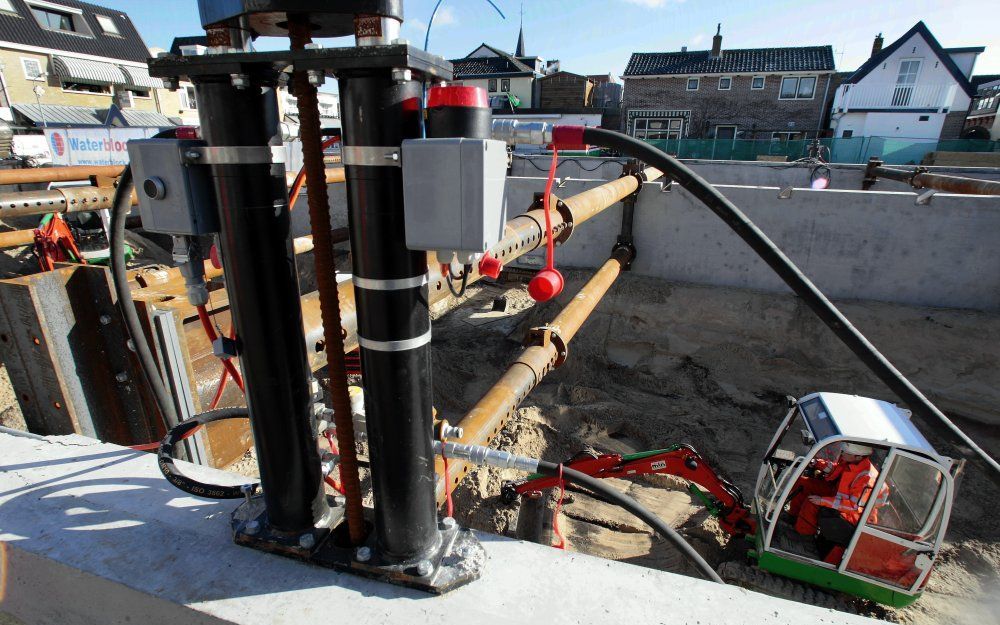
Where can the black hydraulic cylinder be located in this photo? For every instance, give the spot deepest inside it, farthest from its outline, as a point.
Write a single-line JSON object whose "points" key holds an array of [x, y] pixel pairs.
{"points": [[261, 278], [393, 317]]}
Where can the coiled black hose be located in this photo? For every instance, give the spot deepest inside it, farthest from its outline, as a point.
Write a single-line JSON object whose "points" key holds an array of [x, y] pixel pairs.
{"points": [[794, 278], [165, 456]]}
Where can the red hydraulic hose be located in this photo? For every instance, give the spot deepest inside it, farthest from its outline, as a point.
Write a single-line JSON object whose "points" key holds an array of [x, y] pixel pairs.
{"points": [[206, 323], [300, 178]]}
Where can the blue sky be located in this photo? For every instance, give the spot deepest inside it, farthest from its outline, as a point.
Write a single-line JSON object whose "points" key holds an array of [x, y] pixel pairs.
{"points": [[597, 36]]}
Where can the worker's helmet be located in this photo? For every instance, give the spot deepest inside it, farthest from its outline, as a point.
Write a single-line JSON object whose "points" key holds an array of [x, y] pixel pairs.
{"points": [[857, 449]]}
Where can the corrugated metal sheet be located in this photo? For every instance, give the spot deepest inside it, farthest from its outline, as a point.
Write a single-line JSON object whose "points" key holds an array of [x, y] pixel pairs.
{"points": [[56, 115], [84, 71], [145, 119], [24, 29], [139, 77]]}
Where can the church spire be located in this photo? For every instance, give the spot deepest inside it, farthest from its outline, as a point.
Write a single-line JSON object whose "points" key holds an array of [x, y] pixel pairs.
{"points": [[519, 50]]}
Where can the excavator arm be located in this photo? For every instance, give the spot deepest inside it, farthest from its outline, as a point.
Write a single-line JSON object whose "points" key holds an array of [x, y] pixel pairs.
{"points": [[722, 499]]}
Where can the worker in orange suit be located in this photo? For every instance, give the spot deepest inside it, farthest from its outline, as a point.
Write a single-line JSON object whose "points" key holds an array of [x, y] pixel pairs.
{"points": [[831, 504]]}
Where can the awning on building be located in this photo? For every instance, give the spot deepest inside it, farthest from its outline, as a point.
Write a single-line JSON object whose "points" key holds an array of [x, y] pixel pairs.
{"points": [[133, 118], [139, 77], [84, 71], [57, 115]]}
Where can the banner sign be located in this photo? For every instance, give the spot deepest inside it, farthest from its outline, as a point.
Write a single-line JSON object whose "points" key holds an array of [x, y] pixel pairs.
{"points": [[93, 146]]}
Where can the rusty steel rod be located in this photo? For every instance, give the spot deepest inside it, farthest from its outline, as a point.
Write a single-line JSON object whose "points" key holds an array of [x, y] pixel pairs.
{"points": [[546, 351], [919, 179], [310, 131], [85, 198]]}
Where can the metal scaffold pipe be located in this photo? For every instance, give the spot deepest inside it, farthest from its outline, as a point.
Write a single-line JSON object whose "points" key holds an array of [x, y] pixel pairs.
{"points": [[547, 350]]}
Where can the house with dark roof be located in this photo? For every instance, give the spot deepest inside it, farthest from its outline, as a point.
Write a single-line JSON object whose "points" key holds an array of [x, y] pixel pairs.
{"points": [[68, 63], [509, 80], [748, 93], [913, 88]]}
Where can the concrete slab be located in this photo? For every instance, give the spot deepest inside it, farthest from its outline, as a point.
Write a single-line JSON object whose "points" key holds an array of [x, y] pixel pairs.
{"points": [[91, 533]]}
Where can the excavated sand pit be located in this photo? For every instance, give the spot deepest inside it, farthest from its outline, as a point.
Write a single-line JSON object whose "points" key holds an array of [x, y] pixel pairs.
{"points": [[660, 364]]}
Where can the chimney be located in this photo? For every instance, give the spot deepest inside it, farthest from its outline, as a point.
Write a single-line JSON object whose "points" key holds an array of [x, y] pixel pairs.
{"points": [[717, 43], [684, 48], [877, 44]]}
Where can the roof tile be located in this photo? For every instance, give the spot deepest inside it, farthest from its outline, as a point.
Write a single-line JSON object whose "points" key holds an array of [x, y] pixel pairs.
{"points": [[800, 59]]}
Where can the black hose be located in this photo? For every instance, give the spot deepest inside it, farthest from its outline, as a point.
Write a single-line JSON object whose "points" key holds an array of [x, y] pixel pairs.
{"points": [[165, 456], [465, 280], [615, 496], [794, 278], [120, 209]]}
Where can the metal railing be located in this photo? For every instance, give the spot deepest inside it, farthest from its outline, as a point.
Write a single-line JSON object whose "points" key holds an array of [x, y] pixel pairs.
{"points": [[895, 97]]}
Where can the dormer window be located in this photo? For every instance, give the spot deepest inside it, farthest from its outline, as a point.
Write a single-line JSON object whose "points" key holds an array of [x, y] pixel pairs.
{"points": [[107, 24], [60, 18]]}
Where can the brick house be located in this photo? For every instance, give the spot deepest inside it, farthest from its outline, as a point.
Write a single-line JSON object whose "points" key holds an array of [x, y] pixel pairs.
{"points": [[70, 63], [760, 93]]}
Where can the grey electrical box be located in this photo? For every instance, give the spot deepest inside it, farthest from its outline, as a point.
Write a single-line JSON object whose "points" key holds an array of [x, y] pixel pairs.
{"points": [[454, 193], [175, 197]]}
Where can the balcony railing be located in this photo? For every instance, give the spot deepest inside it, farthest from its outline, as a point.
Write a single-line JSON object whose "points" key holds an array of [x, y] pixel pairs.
{"points": [[895, 97]]}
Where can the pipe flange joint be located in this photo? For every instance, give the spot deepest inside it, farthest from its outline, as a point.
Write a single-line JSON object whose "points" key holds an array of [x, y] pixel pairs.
{"points": [[637, 170], [625, 252], [543, 336], [565, 212]]}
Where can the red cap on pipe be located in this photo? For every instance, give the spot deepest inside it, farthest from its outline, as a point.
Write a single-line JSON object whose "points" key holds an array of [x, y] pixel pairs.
{"points": [[490, 266], [457, 95], [546, 284], [213, 255], [567, 135]]}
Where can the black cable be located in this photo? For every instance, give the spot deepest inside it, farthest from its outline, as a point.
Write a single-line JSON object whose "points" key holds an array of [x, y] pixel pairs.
{"points": [[165, 456], [120, 209], [466, 270], [794, 278], [600, 163], [619, 498]]}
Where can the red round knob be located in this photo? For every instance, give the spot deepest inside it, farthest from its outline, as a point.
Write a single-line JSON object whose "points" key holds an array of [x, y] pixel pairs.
{"points": [[490, 266], [546, 284]]}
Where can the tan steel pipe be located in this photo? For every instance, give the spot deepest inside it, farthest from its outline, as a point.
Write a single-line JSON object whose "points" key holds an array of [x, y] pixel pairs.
{"points": [[481, 424], [85, 172], [17, 238], [85, 198], [58, 174]]}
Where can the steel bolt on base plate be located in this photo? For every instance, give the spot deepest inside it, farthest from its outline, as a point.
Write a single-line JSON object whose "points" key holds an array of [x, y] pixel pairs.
{"points": [[457, 560]]}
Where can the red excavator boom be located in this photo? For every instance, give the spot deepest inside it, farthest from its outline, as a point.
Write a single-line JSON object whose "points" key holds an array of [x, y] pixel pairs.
{"points": [[723, 499]]}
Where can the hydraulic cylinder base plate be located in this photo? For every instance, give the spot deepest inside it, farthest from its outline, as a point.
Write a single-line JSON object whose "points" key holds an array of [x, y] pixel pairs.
{"points": [[457, 560], [251, 528]]}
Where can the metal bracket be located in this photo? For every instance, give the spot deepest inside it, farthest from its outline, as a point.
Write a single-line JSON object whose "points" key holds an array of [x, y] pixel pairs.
{"points": [[371, 156], [870, 178], [546, 335], [925, 198], [235, 155]]}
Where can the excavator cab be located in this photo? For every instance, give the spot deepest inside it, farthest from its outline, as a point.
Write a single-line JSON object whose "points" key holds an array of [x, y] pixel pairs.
{"points": [[904, 517]]}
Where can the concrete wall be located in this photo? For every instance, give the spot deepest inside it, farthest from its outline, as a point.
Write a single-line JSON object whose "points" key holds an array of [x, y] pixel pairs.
{"points": [[877, 245], [751, 173]]}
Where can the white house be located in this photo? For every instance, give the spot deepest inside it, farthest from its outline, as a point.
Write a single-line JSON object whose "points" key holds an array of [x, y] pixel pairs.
{"points": [[912, 89]]}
